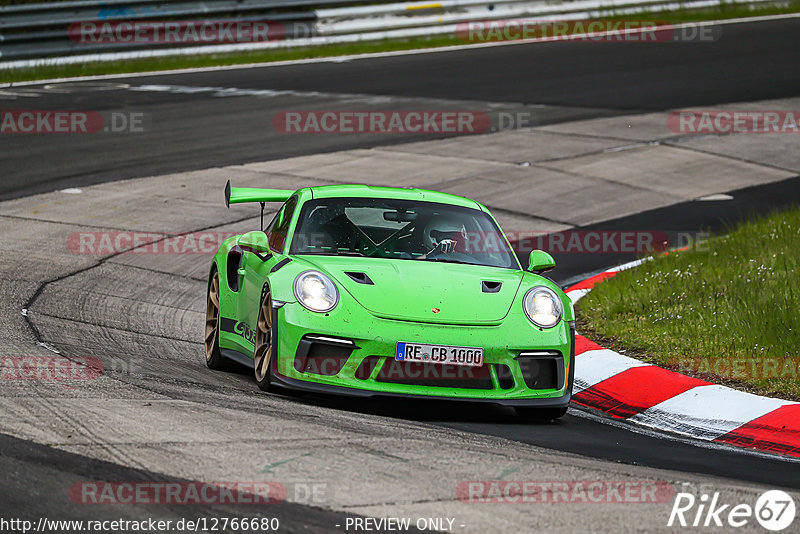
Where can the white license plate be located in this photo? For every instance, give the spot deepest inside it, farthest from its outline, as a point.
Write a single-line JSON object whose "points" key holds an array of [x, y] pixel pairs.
{"points": [[445, 354]]}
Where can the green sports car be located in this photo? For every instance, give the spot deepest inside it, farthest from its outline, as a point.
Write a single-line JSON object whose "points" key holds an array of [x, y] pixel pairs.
{"points": [[376, 291]]}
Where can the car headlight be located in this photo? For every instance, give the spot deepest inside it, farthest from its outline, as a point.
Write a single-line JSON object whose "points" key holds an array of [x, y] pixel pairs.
{"points": [[542, 306], [316, 292]]}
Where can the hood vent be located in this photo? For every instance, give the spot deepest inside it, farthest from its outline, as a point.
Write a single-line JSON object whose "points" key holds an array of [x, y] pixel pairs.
{"points": [[360, 278], [491, 287]]}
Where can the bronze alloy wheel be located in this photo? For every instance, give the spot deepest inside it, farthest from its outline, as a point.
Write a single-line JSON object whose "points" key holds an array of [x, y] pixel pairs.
{"points": [[262, 358], [214, 359]]}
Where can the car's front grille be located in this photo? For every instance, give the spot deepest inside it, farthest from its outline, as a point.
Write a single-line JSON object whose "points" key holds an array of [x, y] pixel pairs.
{"points": [[540, 370], [436, 375]]}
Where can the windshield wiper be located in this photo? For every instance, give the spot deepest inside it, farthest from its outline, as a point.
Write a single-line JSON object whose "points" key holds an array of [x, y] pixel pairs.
{"points": [[448, 260], [339, 253]]}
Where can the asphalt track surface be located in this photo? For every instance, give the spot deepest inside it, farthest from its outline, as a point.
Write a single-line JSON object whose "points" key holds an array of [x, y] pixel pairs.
{"points": [[564, 81], [30, 469]]}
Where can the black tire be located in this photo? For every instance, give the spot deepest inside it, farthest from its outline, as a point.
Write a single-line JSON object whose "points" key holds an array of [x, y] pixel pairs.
{"points": [[540, 414], [264, 348], [214, 359]]}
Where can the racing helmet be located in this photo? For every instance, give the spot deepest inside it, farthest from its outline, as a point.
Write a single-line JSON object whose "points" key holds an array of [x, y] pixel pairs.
{"points": [[442, 227]]}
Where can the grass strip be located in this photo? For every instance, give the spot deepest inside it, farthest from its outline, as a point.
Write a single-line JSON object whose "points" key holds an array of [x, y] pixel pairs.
{"points": [[725, 310]]}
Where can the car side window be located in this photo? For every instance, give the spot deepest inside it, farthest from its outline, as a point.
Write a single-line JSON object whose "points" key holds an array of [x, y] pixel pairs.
{"points": [[279, 227]]}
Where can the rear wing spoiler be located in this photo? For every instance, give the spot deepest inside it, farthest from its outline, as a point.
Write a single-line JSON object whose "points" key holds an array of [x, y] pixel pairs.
{"points": [[238, 195]]}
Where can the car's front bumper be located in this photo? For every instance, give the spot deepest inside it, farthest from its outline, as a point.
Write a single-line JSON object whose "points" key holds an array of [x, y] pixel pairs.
{"points": [[375, 339]]}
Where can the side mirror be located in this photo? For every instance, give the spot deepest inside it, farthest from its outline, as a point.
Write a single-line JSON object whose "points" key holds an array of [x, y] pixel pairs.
{"points": [[256, 241], [540, 261]]}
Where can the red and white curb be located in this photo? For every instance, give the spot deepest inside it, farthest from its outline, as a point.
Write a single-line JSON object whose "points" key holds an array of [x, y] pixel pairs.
{"points": [[656, 398]]}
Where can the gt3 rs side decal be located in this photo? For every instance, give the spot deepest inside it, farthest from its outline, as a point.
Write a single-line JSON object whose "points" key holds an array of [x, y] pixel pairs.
{"points": [[240, 328]]}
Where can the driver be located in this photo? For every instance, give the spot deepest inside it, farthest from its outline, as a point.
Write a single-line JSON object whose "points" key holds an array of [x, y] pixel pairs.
{"points": [[442, 235]]}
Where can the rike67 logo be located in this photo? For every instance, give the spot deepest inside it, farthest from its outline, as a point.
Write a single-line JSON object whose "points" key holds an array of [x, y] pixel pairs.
{"points": [[774, 510]]}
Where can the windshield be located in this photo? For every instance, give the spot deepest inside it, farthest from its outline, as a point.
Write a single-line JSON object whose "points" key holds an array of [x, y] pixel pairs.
{"points": [[401, 229]]}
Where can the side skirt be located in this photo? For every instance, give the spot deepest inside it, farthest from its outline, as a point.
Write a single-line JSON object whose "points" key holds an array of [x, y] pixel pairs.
{"points": [[238, 357]]}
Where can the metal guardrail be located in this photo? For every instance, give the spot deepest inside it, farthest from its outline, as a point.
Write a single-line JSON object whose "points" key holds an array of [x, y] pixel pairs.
{"points": [[35, 34], [41, 30], [39, 15]]}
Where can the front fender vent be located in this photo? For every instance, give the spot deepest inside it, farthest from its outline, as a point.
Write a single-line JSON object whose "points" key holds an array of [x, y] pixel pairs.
{"points": [[360, 278], [488, 286]]}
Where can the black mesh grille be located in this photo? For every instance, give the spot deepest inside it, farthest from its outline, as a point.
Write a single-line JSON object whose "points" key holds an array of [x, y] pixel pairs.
{"points": [[428, 374]]}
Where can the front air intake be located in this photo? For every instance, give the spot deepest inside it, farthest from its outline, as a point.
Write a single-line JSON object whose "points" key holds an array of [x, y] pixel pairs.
{"points": [[322, 355], [542, 369]]}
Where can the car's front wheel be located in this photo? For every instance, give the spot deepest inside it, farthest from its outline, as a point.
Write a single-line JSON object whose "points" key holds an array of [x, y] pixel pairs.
{"points": [[264, 349], [540, 414], [214, 360]]}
